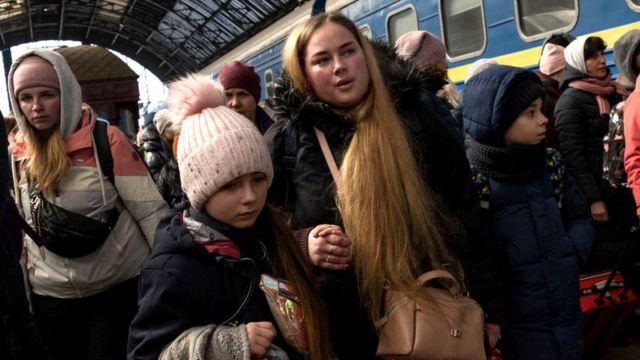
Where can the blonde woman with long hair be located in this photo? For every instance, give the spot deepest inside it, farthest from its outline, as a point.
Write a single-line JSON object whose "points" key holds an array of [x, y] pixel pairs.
{"points": [[382, 219], [97, 223]]}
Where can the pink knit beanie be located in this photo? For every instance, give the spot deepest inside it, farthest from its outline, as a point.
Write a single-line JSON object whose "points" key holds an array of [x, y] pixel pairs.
{"points": [[552, 59], [34, 71], [216, 143], [423, 48], [238, 75]]}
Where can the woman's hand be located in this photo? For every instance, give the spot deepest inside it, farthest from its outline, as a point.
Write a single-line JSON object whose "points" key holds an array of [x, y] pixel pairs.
{"points": [[599, 211], [260, 336], [329, 248]]}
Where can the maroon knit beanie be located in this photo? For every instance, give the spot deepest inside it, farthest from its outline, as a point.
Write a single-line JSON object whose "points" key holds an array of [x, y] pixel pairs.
{"points": [[238, 75]]}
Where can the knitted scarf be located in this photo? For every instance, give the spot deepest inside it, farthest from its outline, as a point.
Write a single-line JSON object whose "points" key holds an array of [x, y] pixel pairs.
{"points": [[513, 163], [601, 88]]}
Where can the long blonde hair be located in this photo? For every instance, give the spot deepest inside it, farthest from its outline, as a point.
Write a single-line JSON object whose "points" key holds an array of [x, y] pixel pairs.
{"points": [[47, 159], [388, 211]]}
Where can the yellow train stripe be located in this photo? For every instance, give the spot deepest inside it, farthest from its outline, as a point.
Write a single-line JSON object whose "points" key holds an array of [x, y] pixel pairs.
{"points": [[529, 57]]}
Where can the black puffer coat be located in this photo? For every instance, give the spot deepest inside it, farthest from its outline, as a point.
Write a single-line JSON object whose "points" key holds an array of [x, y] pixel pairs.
{"points": [[580, 129], [156, 151], [307, 190]]}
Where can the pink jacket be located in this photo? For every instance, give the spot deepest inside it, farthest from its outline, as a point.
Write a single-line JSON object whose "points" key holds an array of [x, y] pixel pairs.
{"points": [[632, 142], [84, 190]]}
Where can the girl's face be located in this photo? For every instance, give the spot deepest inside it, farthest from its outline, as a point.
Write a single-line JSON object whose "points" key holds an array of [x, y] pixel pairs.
{"points": [[40, 106], [240, 201], [597, 66], [335, 66], [529, 127]]}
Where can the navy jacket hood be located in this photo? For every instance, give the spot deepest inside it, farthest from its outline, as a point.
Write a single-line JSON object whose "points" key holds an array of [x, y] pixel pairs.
{"points": [[484, 103]]}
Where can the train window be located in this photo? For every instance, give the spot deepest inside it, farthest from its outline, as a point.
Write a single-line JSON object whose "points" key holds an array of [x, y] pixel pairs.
{"points": [[463, 28], [366, 31], [538, 18], [634, 4], [269, 83], [401, 21]]}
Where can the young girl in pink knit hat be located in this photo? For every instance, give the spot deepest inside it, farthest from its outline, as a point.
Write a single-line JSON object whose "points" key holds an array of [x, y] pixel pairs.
{"points": [[199, 293]]}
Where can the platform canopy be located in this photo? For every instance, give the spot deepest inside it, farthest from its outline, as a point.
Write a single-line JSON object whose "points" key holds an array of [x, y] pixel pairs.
{"points": [[168, 37]]}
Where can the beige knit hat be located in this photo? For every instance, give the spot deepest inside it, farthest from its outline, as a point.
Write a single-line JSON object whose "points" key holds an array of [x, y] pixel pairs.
{"points": [[216, 143]]}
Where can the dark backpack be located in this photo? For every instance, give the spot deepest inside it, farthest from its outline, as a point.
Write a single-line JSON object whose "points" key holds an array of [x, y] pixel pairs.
{"points": [[554, 166], [613, 162]]}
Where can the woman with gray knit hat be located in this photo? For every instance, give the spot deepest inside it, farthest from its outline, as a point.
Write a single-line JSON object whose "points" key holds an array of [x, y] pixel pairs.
{"points": [[199, 291], [97, 222], [539, 222]]}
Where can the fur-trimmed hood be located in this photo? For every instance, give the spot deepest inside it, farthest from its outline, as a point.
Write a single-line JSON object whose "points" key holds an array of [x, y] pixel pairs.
{"points": [[404, 81]]}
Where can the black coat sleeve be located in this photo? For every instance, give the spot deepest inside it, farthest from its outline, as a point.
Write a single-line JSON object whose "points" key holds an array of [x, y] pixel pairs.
{"points": [[278, 192], [163, 314], [571, 123]]}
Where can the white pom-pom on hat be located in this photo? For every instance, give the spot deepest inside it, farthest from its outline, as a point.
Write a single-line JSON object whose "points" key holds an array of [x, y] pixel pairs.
{"points": [[194, 93], [216, 144]]}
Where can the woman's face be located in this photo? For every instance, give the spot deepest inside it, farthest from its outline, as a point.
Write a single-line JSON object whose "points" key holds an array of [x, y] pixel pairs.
{"points": [[597, 66], [335, 66], [239, 202], [40, 105], [529, 127]]}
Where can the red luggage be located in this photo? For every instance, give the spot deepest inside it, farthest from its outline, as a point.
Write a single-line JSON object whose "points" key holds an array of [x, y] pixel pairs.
{"points": [[606, 301]]}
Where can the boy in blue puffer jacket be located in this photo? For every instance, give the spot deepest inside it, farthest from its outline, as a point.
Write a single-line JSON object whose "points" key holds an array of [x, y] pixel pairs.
{"points": [[538, 220]]}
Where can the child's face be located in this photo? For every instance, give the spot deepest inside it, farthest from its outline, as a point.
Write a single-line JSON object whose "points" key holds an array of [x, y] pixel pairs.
{"points": [[529, 127], [240, 201]]}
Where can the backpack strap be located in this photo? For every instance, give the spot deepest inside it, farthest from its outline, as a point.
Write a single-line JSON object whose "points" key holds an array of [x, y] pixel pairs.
{"points": [[104, 150], [105, 161]]}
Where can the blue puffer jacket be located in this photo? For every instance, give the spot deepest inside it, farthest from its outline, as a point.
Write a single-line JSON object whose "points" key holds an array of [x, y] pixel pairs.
{"points": [[540, 242]]}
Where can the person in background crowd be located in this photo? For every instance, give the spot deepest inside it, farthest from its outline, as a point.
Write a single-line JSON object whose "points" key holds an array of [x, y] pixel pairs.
{"points": [[551, 64], [561, 39], [627, 56], [429, 54], [540, 228], [582, 121], [196, 297], [83, 298], [479, 66], [19, 338], [334, 81], [156, 151], [166, 125], [242, 89], [168, 177]]}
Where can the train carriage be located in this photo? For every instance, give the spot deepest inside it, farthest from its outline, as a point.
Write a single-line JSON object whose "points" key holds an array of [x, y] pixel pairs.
{"points": [[509, 31]]}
